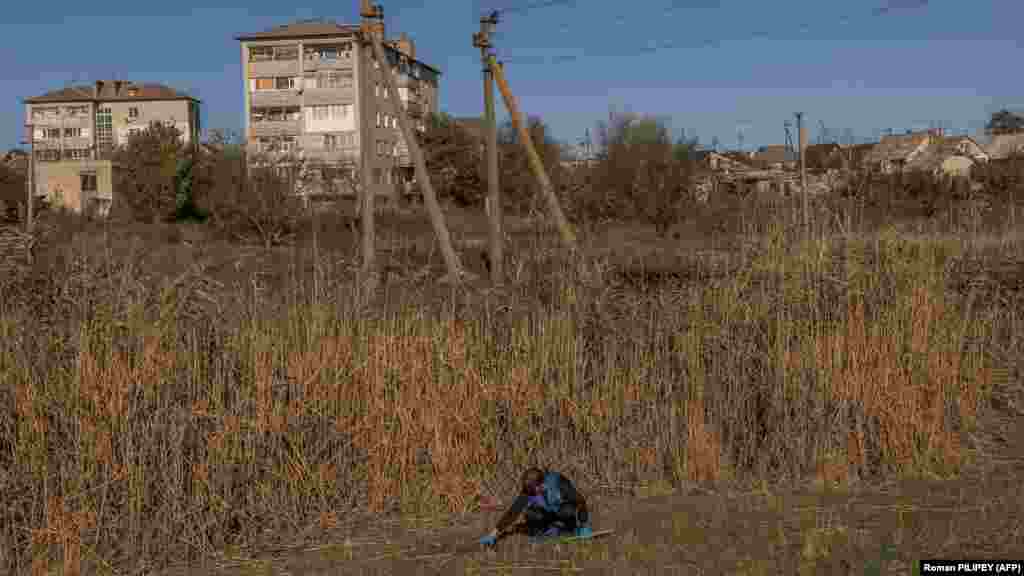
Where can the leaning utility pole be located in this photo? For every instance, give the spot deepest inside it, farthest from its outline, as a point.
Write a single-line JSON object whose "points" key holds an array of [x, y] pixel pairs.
{"points": [[367, 142], [375, 13], [564, 229], [802, 135], [482, 40]]}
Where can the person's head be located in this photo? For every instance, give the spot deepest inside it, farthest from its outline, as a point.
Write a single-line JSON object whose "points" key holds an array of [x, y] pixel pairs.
{"points": [[533, 481]]}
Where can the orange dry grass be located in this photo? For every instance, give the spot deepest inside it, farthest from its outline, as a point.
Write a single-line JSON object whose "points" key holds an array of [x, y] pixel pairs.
{"points": [[866, 367], [703, 445], [411, 410]]}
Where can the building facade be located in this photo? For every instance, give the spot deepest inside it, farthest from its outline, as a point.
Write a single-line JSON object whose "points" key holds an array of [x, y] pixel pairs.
{"points": [[303, 97], [73, 131]]}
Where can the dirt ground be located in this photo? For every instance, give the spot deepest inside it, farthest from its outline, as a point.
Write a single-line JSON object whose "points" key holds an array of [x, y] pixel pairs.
{"points": [[881, 529]]}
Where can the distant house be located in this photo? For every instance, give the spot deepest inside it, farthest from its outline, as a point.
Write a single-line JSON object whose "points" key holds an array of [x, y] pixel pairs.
{"points": [[926, 151], [953, 156], [895, 152], [857, 153], [777, 156], [1004, 146], [719, 162], [823, 157]]}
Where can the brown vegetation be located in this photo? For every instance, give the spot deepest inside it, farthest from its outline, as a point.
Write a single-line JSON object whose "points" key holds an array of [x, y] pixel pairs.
{"points": [[161, 400]]}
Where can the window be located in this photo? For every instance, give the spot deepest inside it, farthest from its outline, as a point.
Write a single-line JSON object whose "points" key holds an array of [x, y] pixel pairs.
{"points": [[134, 132], [286, 53], [51, 133], [339, 111], [263, 84], [47, 155], [76, 153], [104, 128], [285, 83], [403, 93], [331, 142], [72, 132], [88, 181], [261, 53], [133, 112], [376, 89]]}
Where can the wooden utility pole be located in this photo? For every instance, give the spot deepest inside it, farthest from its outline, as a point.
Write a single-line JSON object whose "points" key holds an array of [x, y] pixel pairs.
{"points": [[451, 259], [367, 142], [482, 40], [564, 229], [30, 180], [802, 144]]}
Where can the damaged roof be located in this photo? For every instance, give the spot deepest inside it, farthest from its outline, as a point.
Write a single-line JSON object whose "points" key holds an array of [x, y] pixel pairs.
{"points": [[1005, 145], [897, 147], [937, 152]]}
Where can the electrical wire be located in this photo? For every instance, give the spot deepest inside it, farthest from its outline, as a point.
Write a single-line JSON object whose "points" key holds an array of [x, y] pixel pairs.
{"points": [[530, 6], [675, 43]]}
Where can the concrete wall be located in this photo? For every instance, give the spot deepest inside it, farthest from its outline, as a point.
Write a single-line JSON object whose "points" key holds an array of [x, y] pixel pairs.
{"points": [[61, 183], [175, 112], [178, 112], [358, 95]]}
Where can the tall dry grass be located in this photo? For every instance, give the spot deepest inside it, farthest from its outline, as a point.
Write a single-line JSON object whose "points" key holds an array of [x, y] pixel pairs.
{"points": [[138, 426]]}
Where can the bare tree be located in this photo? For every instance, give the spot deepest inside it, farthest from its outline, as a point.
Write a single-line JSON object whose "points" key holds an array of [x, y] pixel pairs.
{"points": [[267, 209]]}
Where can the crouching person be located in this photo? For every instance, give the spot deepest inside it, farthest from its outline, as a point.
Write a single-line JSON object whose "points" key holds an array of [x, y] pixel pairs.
{"points": [[550, 505]]}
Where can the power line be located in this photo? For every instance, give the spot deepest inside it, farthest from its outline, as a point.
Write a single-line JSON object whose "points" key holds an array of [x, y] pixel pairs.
{"points": [[529, 6], [675, 43]]}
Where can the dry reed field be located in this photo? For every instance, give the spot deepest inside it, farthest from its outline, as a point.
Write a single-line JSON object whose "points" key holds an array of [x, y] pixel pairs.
{"points": [[171, 402]]}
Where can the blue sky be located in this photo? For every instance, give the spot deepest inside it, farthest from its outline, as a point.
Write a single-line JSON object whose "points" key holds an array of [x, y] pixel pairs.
{"points": [[732, 65]]}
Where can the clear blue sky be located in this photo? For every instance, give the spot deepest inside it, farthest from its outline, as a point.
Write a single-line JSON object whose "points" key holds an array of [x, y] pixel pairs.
{"points": [[735, 63]]}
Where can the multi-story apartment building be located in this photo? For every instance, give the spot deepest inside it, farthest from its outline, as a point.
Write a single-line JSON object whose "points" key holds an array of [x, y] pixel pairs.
{"points": [[303, 95], [74, 129]]}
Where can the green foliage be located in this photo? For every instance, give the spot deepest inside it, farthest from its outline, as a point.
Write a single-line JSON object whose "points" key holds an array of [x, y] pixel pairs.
{"points": [[147, 180], [642, 172]]}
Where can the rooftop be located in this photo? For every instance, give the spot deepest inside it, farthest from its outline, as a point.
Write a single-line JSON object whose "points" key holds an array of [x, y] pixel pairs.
{"points": [[312, 28], [897, 147], [111, 91]]}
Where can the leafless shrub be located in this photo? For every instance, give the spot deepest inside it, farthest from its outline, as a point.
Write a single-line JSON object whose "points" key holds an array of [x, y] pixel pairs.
{"points": [[265, 207], [454, 159]]}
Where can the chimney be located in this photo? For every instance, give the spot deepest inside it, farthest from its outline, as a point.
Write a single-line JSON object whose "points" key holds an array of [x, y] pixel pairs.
{"points": [[117, 87], [406, 46], [99, 88]]}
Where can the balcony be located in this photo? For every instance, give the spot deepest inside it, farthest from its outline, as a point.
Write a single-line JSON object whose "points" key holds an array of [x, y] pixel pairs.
{"points": [[273, 68], [274, 98], [275, 128], [340, 62], [414, 109]]}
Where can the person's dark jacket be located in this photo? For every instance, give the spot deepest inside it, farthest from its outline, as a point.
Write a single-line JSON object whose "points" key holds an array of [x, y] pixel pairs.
{"points": [[556, 485]]}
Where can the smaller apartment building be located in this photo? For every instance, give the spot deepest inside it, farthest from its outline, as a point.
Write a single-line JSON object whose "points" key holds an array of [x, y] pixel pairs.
{"points": [[75, 129], [303, 96]]}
